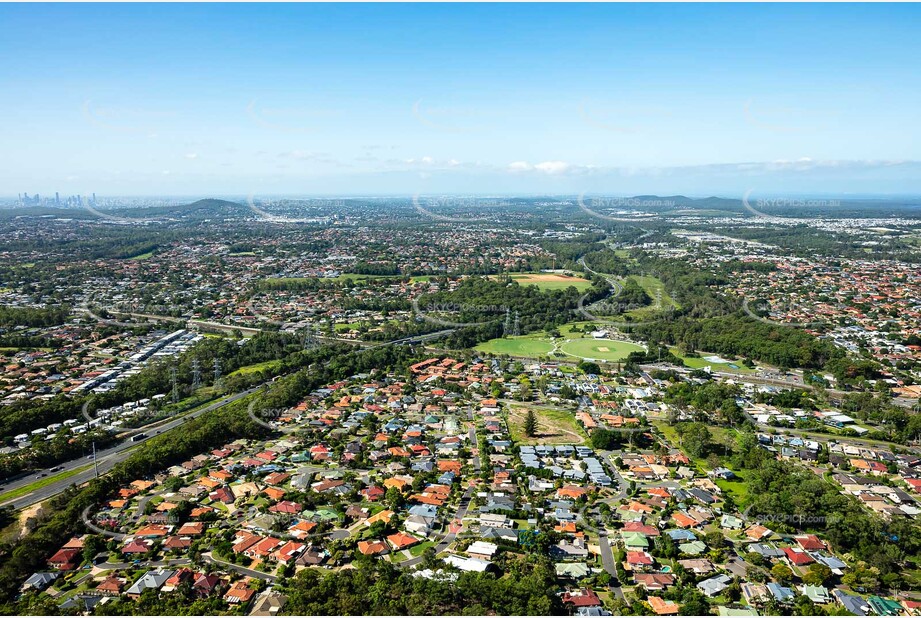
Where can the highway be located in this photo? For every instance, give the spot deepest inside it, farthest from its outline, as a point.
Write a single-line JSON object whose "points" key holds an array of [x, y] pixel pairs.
{"points": [[616, 287], [106, 459]]}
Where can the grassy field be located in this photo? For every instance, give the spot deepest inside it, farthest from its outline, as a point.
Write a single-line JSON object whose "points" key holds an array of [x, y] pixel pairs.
{"points": [[527, 345], [738, 489], [695, 362], [654, 287], [600, 349], [344, 328], [574, 345], [551, 281], [142, 256], [15, 350], [554, 426], [255, 367]]}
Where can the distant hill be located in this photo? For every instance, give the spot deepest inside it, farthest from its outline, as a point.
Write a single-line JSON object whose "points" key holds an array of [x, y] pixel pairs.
{"points": [[208, 208]]}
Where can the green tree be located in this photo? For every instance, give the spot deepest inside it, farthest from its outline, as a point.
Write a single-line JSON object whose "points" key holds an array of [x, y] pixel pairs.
{"points": [[93, 544], [782, 573], [696, 440], [530, 424], [861, 577], [694, 603], [394, 498], [817, 575]]}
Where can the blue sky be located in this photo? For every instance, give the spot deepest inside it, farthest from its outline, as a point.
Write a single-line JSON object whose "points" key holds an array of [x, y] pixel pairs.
{"points": [[403, 99]]}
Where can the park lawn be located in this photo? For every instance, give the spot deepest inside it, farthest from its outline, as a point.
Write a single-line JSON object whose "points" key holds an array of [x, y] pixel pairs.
{"points": [[600, 349], [530, 346], [142, 256], [554, 426]]}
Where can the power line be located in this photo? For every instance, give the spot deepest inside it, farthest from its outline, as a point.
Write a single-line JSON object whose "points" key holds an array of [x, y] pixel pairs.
{"points": [[217, 373], [172, 374], [310, 338]]}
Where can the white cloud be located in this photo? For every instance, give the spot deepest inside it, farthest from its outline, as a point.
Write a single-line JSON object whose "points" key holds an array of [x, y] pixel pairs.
{"points": [[519, 166], [191, 155], [553, 167], [546, 167]]}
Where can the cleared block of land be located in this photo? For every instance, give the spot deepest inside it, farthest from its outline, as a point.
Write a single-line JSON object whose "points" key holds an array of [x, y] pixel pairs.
{"points": [[551, 281], [554, 426]]}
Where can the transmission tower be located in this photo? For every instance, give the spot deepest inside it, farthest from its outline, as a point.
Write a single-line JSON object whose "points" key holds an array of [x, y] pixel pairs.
{"points": [[172, 375], [217, 373], [507, 326], [516, 329], [196, 374], [310, 338]]}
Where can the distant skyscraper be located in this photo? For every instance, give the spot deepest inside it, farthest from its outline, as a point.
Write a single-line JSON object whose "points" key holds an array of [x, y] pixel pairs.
{"points": [[57, 199]]}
